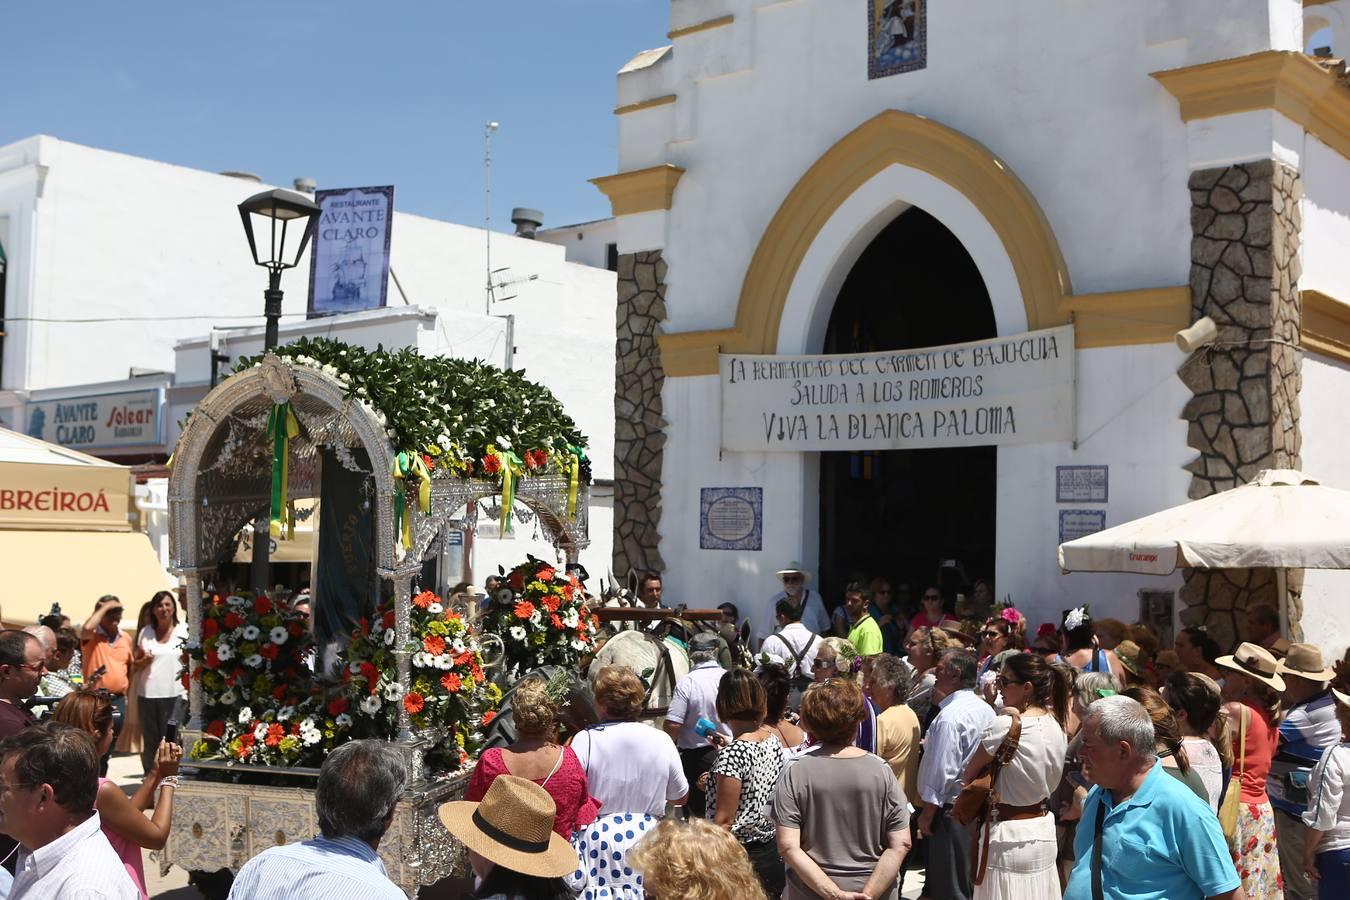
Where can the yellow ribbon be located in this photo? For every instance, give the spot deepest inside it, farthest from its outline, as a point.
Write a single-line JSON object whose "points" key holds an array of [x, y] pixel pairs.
{"points": [[512, 468], [573, 483], [409, 464]]}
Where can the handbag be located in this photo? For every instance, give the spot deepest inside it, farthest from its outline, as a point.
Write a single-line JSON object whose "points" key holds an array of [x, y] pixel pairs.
{"points": [[978, 795], [978, 799], [1232, 797]]}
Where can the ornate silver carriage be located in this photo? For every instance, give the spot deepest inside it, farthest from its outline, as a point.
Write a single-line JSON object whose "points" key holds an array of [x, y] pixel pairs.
{"points": [[221, 481]]}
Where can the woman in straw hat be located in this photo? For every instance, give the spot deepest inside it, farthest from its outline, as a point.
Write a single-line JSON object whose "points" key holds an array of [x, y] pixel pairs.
{"points": [[513, 850], [1252, 687], [1326, 855], [694, 860]]}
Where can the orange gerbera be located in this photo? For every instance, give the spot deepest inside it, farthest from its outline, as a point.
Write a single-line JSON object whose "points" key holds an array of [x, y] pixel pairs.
{"points": [[524, 609], [424, 599], [414, 702], [450, 681], [551, 602], [433, 644], [557, 622], [488, 717], [274, 735], [545, 574]]}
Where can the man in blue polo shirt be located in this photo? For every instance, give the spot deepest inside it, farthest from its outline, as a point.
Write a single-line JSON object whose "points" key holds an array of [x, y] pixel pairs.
{"points": [[1143, 835]]}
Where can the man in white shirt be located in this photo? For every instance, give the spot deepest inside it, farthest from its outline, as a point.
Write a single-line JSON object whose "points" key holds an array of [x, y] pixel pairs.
{"points": [[354, 800], [48, 782], [813, 615], [948, 746], [793, 643], [696, 698]]}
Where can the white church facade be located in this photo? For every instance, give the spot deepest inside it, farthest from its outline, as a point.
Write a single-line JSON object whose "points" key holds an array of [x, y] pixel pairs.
{"points": [[836, 179]]}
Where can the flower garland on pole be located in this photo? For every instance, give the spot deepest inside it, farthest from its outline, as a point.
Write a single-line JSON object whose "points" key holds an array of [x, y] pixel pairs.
{"points": [[449, 694], [542, 619]]}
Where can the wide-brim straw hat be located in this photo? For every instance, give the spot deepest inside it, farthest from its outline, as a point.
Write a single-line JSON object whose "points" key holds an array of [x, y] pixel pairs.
{"points": [[1305, 661], [794, 568], [513, 827], [1256, 661]]}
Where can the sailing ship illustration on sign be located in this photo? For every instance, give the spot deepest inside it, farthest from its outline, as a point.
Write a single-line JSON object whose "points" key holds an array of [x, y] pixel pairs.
{"points": [[349, 274]]}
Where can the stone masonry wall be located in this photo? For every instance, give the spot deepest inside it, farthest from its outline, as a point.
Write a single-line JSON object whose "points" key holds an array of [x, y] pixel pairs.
{"points": [[639, 428], [1244, 412]]}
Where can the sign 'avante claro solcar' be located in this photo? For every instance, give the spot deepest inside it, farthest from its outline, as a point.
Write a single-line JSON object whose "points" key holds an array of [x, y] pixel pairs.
{"points": [[1009, 390]]}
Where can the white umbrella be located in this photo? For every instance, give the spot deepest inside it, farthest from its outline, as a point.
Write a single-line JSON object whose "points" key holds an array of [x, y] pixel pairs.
{"points": [[1281, 520]]}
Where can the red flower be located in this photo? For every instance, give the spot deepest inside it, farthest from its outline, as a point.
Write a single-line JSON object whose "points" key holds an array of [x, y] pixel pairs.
{"points": [[388, 620], [262, 606], [186, 681], [212, 660], [210, 628], [247, 739], [557, 622], [274, 735], [431, 463], [452, 616], [372, 676], [217, 600], [269, 651], [464, 658], [488, 717], [516, 581], [551, 602], [337, 706], [524, 609], [279, 692], [569, 589], [491, 465], [450, 681], [545, 574], [233, 620], [296, 629], [468, 467], [216, 728], [434, 644], [424, 599], [364, 624], [414, 702]]}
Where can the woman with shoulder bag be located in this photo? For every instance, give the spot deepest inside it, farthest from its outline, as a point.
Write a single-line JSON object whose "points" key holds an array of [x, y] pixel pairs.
{"points": [[1326, 855], [1015, 849], [1252, 689]]}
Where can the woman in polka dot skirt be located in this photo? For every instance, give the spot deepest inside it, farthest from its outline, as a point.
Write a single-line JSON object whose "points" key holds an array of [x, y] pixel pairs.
{"points": [[633, 771]]}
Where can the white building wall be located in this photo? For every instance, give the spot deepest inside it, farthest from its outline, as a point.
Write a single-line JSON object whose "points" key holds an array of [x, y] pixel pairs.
{"points": [[1326, 221], [586, 243], [1326, 436]]}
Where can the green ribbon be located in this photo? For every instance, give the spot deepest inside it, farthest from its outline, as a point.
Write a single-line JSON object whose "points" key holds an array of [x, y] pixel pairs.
{"points": [[282, 426], [513, 468], [407, 465]]}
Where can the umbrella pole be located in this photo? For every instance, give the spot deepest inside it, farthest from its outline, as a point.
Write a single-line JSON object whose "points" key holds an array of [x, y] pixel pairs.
{"points": [[1282, 599]]}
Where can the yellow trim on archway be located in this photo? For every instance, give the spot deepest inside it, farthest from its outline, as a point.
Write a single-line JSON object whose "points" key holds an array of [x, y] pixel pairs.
{"points": [[891, 138]]}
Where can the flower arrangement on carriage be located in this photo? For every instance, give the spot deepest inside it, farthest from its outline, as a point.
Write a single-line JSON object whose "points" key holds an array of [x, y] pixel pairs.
{"points": [[542, 619]]}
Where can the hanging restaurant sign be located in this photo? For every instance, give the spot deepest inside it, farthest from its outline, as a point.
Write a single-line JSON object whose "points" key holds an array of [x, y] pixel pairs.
{"points": [[99, 421], [1004, 391], [349, 266]]}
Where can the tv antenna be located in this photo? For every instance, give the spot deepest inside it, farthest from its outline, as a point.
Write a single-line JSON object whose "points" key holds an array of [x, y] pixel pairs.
{"points": [[487, 208]]}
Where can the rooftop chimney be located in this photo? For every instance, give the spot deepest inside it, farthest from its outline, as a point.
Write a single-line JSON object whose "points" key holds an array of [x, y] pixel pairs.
{"points": [[527, 221], [306, 185]]}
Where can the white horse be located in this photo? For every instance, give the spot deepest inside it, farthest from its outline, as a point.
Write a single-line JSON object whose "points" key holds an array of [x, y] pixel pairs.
{"points": [[660, 663]]}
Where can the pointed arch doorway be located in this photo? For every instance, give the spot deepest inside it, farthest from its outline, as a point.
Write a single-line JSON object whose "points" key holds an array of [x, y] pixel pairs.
{"points": [[899, 514]]}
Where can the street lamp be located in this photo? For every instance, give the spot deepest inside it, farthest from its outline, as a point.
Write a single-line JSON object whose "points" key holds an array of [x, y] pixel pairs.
{"points": [[284, 246]]}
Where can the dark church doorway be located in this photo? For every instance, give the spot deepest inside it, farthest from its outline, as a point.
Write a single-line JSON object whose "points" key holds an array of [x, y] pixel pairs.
{"points": [[900, 514]]}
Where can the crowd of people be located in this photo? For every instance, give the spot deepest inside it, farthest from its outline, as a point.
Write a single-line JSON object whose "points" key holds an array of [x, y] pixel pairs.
{"points": [[1084, 760]]}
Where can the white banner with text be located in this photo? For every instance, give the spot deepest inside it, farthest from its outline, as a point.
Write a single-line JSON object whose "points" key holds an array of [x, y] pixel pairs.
{"points": [[1008, 390]]}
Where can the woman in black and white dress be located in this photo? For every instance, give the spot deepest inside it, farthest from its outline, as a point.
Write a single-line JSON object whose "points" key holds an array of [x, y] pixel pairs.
{"points": [[744, 774]]}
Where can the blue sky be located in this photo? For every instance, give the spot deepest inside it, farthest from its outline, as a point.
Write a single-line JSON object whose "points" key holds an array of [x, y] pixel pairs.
{"points": [[350, 94]]}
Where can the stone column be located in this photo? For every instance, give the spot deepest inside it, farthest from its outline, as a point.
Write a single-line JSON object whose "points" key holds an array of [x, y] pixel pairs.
{"points": [[639, 428], [1244, 415]]}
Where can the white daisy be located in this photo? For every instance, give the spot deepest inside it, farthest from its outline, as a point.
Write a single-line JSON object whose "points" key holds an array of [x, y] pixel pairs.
{"points": [[517, 633], [370, 705], [389, 638], [342, 720], [284, 714], [278, 635], [253, 661], [245, 715], [435, 609], [228, 698], [260, 730], [251, 632], [224, 652], [236, 600], [393, 691]]}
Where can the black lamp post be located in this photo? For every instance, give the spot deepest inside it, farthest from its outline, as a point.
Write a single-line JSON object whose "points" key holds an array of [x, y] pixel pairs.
{"points": [[296, 215]]}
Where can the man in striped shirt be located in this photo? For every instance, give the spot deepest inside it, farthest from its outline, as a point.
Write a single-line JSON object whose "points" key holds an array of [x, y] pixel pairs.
{"points": [[359, 786]]}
